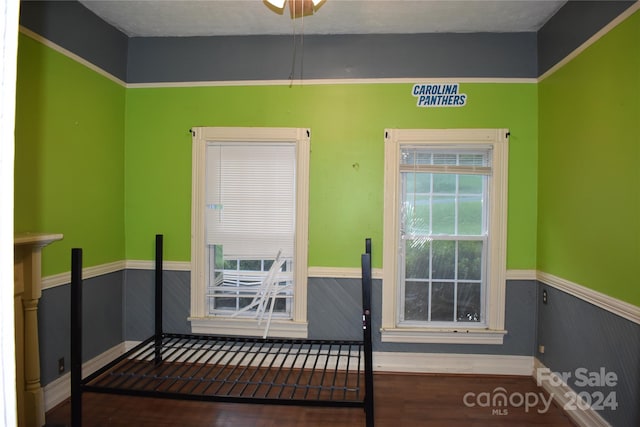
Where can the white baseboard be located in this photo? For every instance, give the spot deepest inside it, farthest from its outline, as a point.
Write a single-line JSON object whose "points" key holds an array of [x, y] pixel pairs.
{"points": [[60, 389], [567, 399], [447, 363], [128, 345]]}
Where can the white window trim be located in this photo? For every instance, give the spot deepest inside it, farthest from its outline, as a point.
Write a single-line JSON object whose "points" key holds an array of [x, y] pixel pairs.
{"points": [[297, 327], [494, 331]]}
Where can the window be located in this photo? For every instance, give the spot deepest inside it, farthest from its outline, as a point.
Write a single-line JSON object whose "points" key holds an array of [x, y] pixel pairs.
{"points": [[445, 235], [249, 231]]}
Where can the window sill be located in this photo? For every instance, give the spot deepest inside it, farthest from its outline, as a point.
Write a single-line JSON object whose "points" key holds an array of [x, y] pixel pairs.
{"points": [[247, 327], [443, 336]]}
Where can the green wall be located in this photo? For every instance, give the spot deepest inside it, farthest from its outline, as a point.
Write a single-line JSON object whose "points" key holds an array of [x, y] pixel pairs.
{"points": [[69, 164], [589, 166], [110, 167], [346, 179]]}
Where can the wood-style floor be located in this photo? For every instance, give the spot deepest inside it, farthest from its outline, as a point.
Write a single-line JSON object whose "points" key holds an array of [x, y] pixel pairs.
{"points": [[400, 400]]}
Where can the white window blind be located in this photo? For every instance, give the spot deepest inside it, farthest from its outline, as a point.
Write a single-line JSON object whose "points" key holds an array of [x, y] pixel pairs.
{"points": [[250, 199], [434, 159]]}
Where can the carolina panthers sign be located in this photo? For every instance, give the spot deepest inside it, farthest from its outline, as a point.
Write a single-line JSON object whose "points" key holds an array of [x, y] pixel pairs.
{"points": [[439, 95]]}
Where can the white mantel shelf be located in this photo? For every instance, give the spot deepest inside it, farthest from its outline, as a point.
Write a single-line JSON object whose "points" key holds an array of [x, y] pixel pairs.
{"points": [[35, 239], [27, 285]]}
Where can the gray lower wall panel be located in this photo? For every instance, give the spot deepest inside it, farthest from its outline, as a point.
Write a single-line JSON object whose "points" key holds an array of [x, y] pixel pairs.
{"points": [[580, 336], [334, 311], [102, 322], [139, 310], [520, 323], [119, 307], [334, 308]]}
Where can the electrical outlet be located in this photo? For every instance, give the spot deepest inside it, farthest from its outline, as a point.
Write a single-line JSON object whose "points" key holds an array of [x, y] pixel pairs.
{"points": [[61, 365], [545, 296]]}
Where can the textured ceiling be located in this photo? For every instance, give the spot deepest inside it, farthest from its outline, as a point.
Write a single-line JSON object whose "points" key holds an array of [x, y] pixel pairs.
{"points": [[157, 18]]}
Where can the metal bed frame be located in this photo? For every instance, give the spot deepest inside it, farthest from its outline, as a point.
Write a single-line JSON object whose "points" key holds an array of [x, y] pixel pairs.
{"points": [[331, 373]]}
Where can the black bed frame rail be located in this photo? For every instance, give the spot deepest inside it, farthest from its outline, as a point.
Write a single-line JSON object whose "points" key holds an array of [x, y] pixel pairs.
{"points": [[155, 345]]}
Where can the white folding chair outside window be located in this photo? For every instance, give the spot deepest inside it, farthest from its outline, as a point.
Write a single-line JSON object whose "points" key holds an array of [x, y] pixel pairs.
{"points": [[268, 290]]}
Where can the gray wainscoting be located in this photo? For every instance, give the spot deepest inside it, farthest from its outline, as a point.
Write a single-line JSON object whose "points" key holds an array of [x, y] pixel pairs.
{"points": [[578, 335], [335, 311], [119, 307], [139, 309], [334, 308], [102, 313], [519, 322]]}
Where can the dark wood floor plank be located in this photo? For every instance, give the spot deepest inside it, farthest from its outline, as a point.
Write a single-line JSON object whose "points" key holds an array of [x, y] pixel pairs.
{"points": [[400, 400]]}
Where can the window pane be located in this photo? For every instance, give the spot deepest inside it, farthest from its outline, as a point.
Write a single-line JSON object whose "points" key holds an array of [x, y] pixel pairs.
{"points": [[444, 183], [417, 259], [240, 286], [470, 260], [250, 265], [417, 182], [442, 302], [416, 301], [222, 303], [243, 302], [444, 211], [470, 184], [416, 215], [280, 307], [470, 215], [444, 259], [468, 302]]}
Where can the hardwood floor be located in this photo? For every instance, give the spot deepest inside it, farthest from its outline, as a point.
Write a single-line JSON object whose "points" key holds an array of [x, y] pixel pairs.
{"points": [[400, 400]]}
